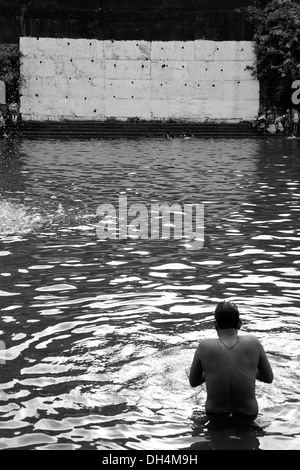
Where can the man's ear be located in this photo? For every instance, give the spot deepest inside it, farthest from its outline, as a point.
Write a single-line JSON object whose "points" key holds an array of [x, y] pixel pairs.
{"points": [[239, 324]]}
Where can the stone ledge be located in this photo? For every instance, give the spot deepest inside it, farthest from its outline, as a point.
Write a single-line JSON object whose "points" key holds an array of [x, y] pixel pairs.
{"points": [[112, 129]]}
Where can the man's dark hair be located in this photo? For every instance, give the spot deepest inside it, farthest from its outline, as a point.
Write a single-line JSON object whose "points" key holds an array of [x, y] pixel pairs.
{"points": [[227, 315]]}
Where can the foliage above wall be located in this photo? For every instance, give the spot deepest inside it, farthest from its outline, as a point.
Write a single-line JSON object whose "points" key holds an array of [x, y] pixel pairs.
{"points": [[10, 70], [277, 43], [120, 20]]}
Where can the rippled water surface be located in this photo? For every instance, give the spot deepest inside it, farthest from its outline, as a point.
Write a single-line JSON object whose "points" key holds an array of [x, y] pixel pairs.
{"points": [[98, 335]]}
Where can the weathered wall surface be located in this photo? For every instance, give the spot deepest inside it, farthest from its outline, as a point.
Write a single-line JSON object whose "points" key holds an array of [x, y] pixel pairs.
{"points": [[81, 79]]}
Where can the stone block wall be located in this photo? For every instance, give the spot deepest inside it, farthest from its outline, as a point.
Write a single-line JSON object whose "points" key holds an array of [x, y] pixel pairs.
{"points": [[83, 79]]}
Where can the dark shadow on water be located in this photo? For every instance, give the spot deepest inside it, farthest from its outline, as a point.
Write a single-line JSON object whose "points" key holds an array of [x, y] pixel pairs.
{"points": [[225, 433]]}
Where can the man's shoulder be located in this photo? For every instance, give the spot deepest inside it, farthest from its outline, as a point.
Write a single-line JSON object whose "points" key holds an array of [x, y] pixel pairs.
{"points": [[211, 343], [249, 339], [207, 343]]}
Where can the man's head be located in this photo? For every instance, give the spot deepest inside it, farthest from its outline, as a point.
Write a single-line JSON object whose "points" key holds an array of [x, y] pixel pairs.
{"points": [[227, 316]]}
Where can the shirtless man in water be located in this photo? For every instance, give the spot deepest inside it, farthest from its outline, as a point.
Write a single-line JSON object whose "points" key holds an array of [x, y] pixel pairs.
{"points": [[230, 365]]}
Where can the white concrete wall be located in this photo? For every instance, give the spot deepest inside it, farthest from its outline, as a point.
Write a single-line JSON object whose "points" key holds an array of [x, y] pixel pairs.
{"points": [[80, 79]]}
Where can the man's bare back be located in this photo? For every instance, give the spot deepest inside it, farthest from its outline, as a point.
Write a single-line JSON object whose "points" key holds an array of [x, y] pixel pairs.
{"points": [[230, 365]]}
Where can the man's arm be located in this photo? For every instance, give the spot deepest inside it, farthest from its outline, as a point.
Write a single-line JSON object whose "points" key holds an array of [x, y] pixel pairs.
{"points": [[264, 370], [196, 373]]}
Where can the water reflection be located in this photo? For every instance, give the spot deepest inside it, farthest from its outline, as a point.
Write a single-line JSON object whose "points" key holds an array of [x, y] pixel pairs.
{"points": [[99, 334]]}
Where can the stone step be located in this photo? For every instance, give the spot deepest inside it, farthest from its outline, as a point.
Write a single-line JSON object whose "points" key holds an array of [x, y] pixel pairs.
{"points": [[115, 135], [130, 124], [123, 129]]}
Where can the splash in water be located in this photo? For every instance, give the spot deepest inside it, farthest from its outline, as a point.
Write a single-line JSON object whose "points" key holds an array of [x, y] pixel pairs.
{"points": [[17, 219]]}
